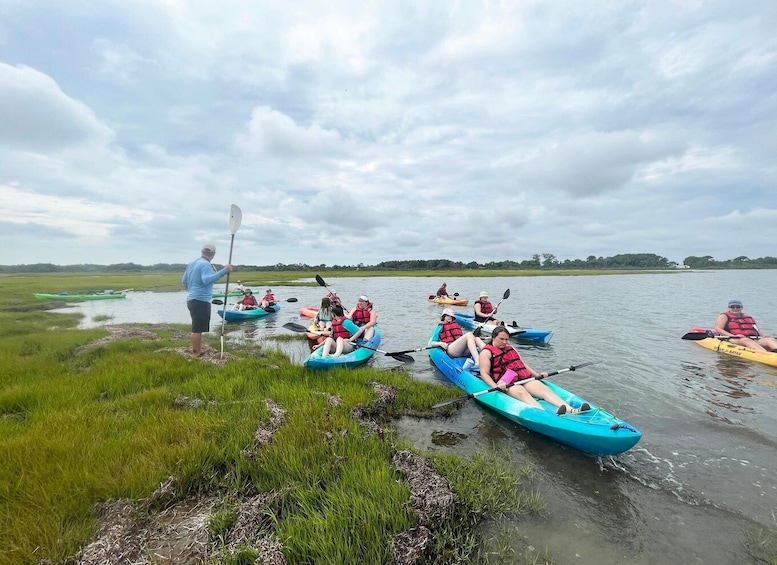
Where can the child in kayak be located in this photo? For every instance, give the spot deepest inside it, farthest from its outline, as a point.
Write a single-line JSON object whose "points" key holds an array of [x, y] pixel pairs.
{"points": [[454, 342]]}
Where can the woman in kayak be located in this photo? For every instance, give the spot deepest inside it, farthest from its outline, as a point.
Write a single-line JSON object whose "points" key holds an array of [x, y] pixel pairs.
{"points": [[365, 317], [442, 292], [324, 315], [341, 336], [743, 329], [484, 310], [268, 299], [454, 342], [499, 357]]}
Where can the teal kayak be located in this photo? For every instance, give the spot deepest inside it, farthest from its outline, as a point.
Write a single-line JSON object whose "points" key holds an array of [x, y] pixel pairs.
{"points": [[595, 431], [358, 356], [242, 315], [516, 331], [66, 296], [231, 294]]}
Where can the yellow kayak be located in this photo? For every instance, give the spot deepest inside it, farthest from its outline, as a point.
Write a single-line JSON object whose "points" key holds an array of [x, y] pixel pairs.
{"points": [[724, 346], [448, 301]]}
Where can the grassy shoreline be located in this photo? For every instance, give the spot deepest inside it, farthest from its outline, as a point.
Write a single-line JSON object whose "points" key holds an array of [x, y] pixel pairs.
{"points": [[118, 423]]}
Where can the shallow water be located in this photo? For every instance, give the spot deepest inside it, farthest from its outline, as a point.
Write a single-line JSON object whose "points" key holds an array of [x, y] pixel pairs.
{"points": [[704, 470]]}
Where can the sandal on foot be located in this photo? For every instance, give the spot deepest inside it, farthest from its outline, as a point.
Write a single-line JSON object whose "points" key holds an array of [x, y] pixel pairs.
{"points": [[561, 410]]}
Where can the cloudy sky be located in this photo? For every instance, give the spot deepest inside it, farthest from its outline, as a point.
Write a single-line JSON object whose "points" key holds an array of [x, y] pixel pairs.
{"points": [[363, 131]]}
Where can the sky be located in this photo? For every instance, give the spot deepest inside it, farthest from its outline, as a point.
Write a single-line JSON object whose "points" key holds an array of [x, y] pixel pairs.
{"points": [[364, 131]]}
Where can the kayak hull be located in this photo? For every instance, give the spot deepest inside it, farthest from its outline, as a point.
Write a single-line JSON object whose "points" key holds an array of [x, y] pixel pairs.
{"points": [[308, 311], [449, 301], [723, 346], [595, 431], [230, 294], [529, 334], [242, 315], [105, 296], [357, 357]]}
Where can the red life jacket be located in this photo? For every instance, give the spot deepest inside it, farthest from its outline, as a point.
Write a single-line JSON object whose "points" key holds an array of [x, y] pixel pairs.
{"points": [[334, 299], [361, 316], [249, 300], [269, 297], [485, 306], [450, 332], [337, 328], [503, 359], [741, 325]]}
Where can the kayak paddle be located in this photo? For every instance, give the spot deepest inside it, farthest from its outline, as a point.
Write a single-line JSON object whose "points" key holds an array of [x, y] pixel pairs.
{"points": [[505, 296], [322, 282], [235, 218], [524, 381], [698, 336]]}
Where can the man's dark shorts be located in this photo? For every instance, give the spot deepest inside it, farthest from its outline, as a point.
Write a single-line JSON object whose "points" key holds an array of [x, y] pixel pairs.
{"points": [[200, 312]]}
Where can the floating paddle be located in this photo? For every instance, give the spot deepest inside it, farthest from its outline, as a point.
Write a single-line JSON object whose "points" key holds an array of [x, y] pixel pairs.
{"points": [[235, 218], [524, 381], [396, 355]]}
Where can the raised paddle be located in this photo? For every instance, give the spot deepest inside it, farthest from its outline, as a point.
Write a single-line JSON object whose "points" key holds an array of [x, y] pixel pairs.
{"points": [[235, 218], [322, 282], [524, 381], [505, 296]]}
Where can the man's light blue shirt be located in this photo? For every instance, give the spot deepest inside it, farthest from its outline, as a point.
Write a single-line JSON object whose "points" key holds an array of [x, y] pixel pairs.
{"points": [[198, 279]]}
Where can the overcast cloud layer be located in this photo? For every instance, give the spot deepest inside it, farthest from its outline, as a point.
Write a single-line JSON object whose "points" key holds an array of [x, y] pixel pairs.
{"points": [[363, 131]]}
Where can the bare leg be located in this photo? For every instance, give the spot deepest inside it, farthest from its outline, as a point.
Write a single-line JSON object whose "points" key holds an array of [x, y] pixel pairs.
{"points": [[540, 390], [327, 347], [196, 339]]}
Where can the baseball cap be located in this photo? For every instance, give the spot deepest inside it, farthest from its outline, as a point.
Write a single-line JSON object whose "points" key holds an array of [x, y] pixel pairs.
{"points": [[483, 294], [209, 248], [448, 312], [734, 303]]}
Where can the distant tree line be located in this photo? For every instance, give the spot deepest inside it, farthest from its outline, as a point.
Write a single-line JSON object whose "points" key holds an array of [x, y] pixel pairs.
{"points": [[544, 261]]}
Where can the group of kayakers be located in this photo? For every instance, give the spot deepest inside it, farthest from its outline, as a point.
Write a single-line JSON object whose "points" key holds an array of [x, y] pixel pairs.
{"points": [[249, 301], [338, 329]]}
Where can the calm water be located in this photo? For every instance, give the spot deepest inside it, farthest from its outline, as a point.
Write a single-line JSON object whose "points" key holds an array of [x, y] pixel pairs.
{"points": [[704, 471]]}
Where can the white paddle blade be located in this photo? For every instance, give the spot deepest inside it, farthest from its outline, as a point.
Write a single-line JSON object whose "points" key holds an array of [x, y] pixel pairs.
{"points": [[235, 217]]}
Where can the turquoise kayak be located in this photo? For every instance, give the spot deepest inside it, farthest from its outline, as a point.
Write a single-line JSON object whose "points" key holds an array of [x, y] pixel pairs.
{"points": [[242, 315], [595, 431], [358, 356], [526, 334], [231, 294], [66, 296]]}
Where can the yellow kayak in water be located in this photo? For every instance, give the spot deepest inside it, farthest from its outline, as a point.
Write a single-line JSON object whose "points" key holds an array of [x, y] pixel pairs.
{"points": [[724, 346]]}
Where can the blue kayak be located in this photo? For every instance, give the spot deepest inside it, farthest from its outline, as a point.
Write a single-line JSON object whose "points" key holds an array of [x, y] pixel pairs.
{"points": [[527, 334], [594, 431], [358, 356], [242, 315]]}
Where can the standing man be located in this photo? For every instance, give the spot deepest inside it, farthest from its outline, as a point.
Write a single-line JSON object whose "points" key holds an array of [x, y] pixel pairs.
{"points": [[198, 280]]}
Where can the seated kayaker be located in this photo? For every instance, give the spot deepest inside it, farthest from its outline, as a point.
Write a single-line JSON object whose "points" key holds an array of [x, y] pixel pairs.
{"points": [[324, 315], [484, 310], [239, 287], [333, 298], [341, 336], [442, 292], [268, 299], [454, 342], [499, 356], [743, 329], [248, 302], [365, 317]]}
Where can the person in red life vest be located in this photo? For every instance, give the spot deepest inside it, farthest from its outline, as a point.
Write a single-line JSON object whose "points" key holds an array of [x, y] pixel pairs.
{"points": [[484, 310], [268, 299], [341, 335], [332, 296], [365, 317], [454, 341], [248, 302], [442, 292], [734, 322], [499, 357]]}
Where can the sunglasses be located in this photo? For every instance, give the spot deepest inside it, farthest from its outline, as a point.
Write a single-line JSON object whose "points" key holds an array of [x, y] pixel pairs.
{"points": [[735, 307]]}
